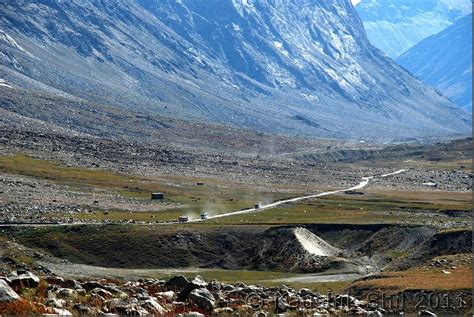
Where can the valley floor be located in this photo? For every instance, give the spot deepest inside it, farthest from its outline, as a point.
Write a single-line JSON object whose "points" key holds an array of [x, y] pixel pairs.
{"points": [[80, 207]]}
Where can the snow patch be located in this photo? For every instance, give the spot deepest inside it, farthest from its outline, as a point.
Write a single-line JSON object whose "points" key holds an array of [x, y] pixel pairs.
{"points": [[3, 83], [278, 45], [11, 41]]}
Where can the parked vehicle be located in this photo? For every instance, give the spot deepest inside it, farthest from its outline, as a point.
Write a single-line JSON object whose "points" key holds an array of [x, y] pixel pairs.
{"points": [[183, 218]]}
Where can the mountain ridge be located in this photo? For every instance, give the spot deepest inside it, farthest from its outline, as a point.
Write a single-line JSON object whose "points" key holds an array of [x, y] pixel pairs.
{"points": [[407, 21], [274, 66], [444, 60]]}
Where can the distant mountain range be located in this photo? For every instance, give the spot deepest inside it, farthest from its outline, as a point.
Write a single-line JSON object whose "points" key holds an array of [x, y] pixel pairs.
{"points": [[394, 26], [444, 60], [281, 66]]}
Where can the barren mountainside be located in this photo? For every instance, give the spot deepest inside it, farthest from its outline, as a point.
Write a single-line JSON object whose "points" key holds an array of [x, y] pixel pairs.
{"points": [[301, 67], [394, 26], [444, 60]]}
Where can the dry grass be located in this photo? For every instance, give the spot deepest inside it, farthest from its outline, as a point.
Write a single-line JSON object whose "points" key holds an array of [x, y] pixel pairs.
{"points": [[373, 207], [219, 196], [215, 195], [419, 164], [441, 200], [419, 279], [21, 307]]}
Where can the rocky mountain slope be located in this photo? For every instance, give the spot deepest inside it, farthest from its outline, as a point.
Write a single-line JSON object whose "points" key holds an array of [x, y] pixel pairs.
{"points": [[444, 61], [394, 26], [277, 66]]}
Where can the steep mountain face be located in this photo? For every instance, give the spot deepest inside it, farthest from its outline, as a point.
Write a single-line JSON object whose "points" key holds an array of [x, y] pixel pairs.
{"points": [[444, 60], [394, 26], [281, 66]]}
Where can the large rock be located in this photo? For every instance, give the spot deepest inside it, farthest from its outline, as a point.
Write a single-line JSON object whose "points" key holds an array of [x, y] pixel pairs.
{"points": [[90, 285], [177, 282], [7, 294], [130, 310], [202, 298], [152, 306], [54, 302], [24, 279], [197, 282], [115, 291], [166, 296], [281, 305], [62, 312], [193, 314], [55, 280], [101, 292], [85, 310], [66, 293]]}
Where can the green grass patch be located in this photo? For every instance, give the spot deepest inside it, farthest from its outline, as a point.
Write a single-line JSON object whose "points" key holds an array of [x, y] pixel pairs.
{"points": [[396, 254], [213, 197]]}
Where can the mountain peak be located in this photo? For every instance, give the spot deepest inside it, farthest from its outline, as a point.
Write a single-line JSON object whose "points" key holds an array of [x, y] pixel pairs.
{"points": [[444, 60], [407, 21]]}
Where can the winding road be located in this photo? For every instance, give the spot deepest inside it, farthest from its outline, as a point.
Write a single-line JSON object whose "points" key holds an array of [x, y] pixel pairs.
{"points": [[365, 181]]}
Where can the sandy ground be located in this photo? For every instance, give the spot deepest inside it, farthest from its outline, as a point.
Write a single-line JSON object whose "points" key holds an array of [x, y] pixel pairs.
{"points": [[314, 244]]}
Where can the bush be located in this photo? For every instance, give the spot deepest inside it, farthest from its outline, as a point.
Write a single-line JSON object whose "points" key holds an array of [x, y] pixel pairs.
{"points": [[21, 307]]}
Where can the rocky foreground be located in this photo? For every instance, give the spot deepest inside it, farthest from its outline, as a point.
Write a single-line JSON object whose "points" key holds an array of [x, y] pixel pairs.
{"points": [[22, 292]]}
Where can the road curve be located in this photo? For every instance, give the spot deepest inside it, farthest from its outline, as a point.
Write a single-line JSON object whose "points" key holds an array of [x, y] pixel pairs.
{"points": [[365, 181]]}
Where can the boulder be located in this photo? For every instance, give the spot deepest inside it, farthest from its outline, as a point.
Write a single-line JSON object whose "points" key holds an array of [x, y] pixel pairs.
{"points": [[227, 287], [115, 302], [7, 294], [6, 279], [116, 292], [214, 285], [345, 300], [357, 311], [24, 279], [197, 282], [280, 305], [152, 306], [53, 302], [168, 296], [305, 292], [193, 314], [90, 285], [202, 298], [65, 293], [130, 310], [177, 282], [62, 312], [55, 280], [223, 311], [85, 310], [71, 284], [101, 292]]}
